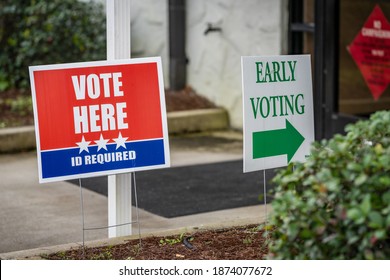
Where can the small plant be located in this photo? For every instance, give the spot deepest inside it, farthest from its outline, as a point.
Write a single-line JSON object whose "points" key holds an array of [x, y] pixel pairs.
{"points": [[63, 255], [105, 255], [172, 241], [136, 249], [247, 240], [251, 234], [336, 205]]}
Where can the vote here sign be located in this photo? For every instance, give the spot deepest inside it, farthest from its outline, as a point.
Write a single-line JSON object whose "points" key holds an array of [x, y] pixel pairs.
{"points": [[99, 118], [277, 109]]}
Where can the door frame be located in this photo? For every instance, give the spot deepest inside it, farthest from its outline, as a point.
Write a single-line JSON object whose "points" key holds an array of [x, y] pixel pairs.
{"points": [[327, 118]]}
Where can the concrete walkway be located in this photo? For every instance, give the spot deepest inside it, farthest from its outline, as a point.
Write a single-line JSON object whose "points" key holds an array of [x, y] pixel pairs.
{"points": [[34, 215]]}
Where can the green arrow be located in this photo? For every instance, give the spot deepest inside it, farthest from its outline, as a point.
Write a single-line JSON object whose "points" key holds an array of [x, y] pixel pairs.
{"points": [[277, 142]]}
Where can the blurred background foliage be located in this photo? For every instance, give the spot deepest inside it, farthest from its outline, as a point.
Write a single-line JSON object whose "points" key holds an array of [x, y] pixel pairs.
{"points": [[36, 32], [337, 204]]}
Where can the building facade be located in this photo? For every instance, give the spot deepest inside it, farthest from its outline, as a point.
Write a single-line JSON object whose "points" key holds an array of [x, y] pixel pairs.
{"points": [[218, 33]]}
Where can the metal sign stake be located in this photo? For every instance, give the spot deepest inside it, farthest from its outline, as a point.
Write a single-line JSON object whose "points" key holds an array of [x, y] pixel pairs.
{"points": [[110, 226], [265, 205]]}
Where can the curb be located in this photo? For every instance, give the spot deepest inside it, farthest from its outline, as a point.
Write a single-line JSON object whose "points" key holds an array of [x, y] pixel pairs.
{"points": [[18, 139], [197, 120], [38, 253]]}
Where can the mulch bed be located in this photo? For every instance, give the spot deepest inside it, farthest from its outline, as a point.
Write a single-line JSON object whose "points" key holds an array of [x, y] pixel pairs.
{"points": [[186, 99], [236, 243]]}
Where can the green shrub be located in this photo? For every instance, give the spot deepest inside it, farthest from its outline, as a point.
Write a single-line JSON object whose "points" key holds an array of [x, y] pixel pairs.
{"points": [[337, 204], [34, 32]]}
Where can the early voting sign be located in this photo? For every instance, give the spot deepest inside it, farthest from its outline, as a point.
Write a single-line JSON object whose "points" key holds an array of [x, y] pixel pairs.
{"points": [[277, 109], [99, 118]]}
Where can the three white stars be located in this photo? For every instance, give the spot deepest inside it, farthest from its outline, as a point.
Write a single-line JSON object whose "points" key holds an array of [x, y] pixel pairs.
{"points": [[102, 143]]}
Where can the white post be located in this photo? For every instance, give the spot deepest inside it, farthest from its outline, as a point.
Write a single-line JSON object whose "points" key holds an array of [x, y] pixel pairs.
{"points": [[118, 47]]}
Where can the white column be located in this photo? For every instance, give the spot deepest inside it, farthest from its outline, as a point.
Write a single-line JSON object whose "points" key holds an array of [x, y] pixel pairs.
{"points": [[118, 47]]}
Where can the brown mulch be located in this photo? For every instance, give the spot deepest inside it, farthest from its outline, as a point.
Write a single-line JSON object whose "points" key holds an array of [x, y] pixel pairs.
{"points": [[236, 243], [20, 113], [186, 99]]}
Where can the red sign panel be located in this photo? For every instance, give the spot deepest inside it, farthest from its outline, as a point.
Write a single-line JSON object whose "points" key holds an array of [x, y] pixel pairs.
{"points": [[371, 51], [99, 118]]}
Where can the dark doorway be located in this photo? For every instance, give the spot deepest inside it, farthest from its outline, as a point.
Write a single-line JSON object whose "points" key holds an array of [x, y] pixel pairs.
{"points": [[325, 28]]}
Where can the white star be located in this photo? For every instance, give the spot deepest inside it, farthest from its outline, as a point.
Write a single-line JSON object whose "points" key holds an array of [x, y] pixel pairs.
{"points": [[83, 145], [120, 141], [101, 143]]}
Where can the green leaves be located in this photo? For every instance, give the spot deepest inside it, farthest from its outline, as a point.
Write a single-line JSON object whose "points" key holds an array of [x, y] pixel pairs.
{"points": [[340, 196], [47, 32], [361, 179], [375, 220], [356, 215], [366, 205]]}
